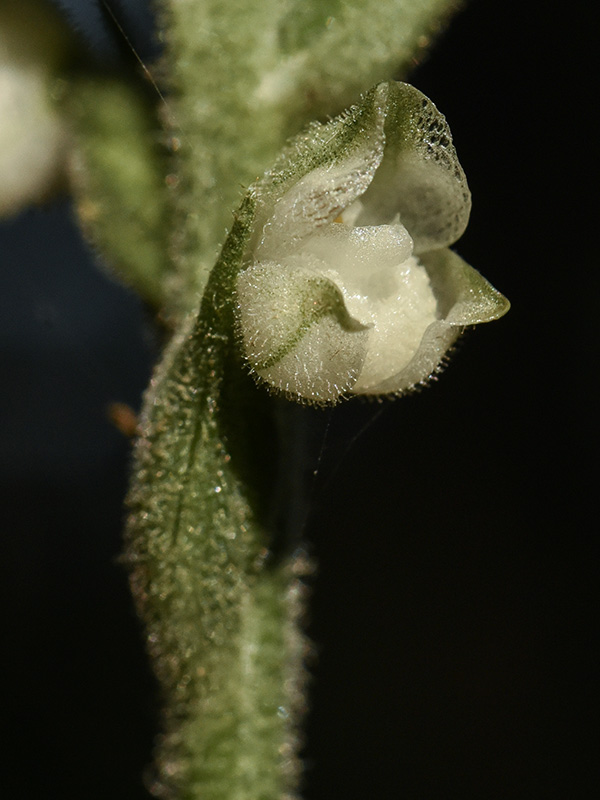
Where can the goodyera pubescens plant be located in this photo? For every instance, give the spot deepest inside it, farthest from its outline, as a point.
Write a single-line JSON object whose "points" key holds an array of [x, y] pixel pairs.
{"points": [[336, 278]]}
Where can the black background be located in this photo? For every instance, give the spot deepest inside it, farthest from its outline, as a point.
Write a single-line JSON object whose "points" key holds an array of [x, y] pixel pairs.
{"points": [[455, 606]]}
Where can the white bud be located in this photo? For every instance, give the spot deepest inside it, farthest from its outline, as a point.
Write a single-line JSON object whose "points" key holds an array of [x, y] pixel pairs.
{"points": [[32, 135]]}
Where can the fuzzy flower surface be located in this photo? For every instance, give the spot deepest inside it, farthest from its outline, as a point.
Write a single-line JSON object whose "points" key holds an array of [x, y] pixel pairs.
{"points": [[349, 285]]}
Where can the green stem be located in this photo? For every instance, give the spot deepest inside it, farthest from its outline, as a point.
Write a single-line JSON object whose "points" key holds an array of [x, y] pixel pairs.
{"points": [[218, 53], [218, 606]]}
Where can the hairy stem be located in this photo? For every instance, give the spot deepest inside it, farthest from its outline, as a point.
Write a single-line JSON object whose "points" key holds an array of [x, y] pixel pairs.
{"points": [[219, 607]]}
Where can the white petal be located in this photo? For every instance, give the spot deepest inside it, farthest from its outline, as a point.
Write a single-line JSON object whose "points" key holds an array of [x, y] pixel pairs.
{"points": [[420, 177], [296, 332]]}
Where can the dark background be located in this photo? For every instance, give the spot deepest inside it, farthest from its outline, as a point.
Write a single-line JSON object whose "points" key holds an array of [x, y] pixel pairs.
{"points": [[455, 606]]}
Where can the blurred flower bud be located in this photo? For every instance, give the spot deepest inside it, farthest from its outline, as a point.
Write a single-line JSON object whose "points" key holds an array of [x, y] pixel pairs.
{"points": [[32, 136]]}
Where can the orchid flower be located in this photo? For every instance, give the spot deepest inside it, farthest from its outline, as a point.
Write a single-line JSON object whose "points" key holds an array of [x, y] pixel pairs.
{"points": [[351, 285]]}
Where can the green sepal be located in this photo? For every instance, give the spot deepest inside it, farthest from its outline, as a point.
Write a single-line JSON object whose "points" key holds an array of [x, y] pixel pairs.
{"points": [[465, 297]]}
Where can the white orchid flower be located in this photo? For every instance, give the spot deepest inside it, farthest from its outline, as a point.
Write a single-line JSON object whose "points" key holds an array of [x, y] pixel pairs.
{"points": [[349, 285]]}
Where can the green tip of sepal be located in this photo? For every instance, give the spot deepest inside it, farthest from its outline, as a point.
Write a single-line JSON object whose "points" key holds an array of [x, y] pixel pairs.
{"points": [[464, 295]]}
